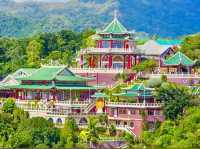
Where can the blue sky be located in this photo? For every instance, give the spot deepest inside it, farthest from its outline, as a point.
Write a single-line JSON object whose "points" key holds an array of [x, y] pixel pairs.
{"points": [[42, 0]]}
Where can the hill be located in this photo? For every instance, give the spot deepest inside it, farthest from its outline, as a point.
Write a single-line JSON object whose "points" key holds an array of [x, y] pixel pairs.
{"points": [[166, 18]]}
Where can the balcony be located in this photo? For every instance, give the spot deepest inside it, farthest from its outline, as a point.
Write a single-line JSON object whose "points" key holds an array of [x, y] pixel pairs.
{"points": [[96, 70], [173, 75], [134, 105], [108, 50]]}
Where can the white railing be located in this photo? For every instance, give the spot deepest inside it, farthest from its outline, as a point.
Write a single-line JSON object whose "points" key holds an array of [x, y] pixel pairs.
{"points": [[107, 50], [140, 105], [96, 70], [60, 103], [71, 103], [154, 75]]}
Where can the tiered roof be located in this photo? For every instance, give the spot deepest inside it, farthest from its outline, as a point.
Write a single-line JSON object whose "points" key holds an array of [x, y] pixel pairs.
{"points": [[59, 73], [58, 77], [136, 90], [115, 27], [179, 59], [99, 95]]}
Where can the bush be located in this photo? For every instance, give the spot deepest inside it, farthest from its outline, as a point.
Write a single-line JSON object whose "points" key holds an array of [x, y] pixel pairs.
{"points": [[9, 105], [154, 82], [42, 146]]}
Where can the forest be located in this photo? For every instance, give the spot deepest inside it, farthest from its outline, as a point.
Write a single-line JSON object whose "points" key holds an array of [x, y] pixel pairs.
{"points": [[59, 47]]}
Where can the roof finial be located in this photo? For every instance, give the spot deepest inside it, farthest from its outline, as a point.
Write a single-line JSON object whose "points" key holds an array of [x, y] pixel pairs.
{"points": [[115, 14]]}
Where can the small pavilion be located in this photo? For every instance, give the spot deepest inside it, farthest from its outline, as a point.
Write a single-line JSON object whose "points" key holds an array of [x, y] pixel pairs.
{"points": [[137, 91], [179, 63]]}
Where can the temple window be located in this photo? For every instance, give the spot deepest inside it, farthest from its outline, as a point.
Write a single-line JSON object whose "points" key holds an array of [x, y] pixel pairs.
{"points": [[117, 44], [133, 112], [150, 112], [125, 123], [131, 124], [105, 44], [157, 112], [122, 111]]}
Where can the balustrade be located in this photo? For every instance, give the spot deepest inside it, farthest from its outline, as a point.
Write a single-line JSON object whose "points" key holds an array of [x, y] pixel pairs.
{"points": [[134, 104], [107, 50]]}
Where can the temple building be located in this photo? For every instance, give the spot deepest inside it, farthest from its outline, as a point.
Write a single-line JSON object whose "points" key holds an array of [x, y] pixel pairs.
{"points": [[179, 63], [47, 83], [55, 93], [115, 49], [130, 112]]}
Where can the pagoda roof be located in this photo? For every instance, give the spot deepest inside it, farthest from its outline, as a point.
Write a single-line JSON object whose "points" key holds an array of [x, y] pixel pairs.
{"points": [[179, 59], [99, 95], [60, 73], [128, 94], [115, 27], [136, 87]]}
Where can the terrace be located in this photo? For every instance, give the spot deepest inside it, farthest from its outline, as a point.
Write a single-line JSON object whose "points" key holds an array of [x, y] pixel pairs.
{"points": [[109, 50]]}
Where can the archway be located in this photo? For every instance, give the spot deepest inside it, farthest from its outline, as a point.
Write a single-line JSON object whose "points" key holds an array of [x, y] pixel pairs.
{"points": [[118, 62], [59, 121], [105, 61], [50, 120], [83, 121]]}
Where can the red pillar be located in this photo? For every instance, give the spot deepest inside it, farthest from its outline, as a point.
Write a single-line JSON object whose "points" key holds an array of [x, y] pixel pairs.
{"points": [[100, 42], [129, 61], [110, 61], [111, 43], [100, 60]]}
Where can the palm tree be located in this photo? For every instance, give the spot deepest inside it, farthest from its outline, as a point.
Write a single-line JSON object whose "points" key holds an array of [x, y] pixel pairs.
{"points": [[93, 134]]}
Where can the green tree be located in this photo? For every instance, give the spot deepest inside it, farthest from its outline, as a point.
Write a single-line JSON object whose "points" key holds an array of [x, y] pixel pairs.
{"points": [[103, 119], [112, 130], [9, 105], [33, 52], [69, 135], [121, 77], [147, 65], [41, 130], [175, 97], [21, 139], [191, 46], [92, 129]]}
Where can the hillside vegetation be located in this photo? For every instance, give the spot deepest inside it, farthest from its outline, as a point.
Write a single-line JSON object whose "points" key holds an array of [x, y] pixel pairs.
{"points": [[170, 18]]}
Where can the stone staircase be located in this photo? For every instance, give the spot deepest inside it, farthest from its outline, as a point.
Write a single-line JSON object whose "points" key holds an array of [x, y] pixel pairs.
{"points": [[89, 107]]}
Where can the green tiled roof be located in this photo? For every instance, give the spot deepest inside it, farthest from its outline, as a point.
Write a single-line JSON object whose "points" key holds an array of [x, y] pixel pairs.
{"points": [[31, 87], [179, 59], [126, 94], [28, 70], [115, 27], [52, 73], [100, 95], [168, 42], [72, 78], [44, 73], [75, 87], [136, 87], [47, 87]]}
